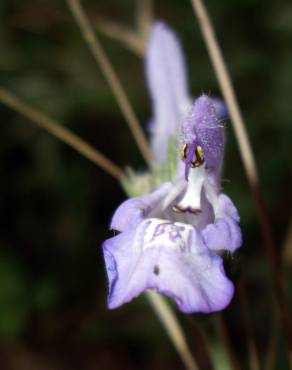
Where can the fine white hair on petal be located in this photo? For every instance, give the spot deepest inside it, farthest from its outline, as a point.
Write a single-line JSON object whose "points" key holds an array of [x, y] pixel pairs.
{"points": [[167, 81]]}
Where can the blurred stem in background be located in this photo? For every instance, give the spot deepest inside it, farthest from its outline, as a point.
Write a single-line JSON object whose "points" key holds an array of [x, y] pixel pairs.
{"points": [[61, 133], [172, 328], [254, 363], [144, 17], [273, 342], [228, 345], [248, 161], [133, 39], [287, 249], [111, 77]]}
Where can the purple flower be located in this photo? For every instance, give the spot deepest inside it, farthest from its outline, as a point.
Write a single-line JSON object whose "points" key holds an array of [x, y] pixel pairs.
{"points": [[171, 238]]}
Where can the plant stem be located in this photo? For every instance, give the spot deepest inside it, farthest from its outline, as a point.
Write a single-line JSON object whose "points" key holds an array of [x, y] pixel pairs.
{"points": [[111, 76], [61, 133], [271, 353], [224, 334], [144, 17], [131, 39], [248, 160], [173, 328], [287, 247], [254, 363]]}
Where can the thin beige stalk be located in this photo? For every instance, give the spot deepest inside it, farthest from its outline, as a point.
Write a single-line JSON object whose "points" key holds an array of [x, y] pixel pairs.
{"points": [[287, 247], [61, 133], [173, 328], [202, 342], [111, 76], [224, 334], [144, 17], [134, 39], [131, 39], [227, 90], [248, 160], [271, 354], [254, 363]]}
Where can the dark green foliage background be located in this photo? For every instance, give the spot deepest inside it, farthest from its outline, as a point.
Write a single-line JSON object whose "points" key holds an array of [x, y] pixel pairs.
{"points": [[56, 206]]}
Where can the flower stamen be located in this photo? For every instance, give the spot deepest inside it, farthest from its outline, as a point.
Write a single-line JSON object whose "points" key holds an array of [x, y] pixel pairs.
{"points": [[186, 155], [192, 155], [199, 157], [183, 152]]}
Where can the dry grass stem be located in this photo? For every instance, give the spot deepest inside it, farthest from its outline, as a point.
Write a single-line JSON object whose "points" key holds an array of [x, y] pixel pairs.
{"points": [[111, 76], [61, 133], [270, 357], [287, 248], [248, 160], [227, 90], [224, 334], [173, 328], [144, 17], [254, 363], [131, 39]]}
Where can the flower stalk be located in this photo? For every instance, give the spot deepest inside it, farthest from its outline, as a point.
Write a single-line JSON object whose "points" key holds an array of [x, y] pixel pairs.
{"points": [[62, 133], [254, 363], [173, 328], [111, 76]]}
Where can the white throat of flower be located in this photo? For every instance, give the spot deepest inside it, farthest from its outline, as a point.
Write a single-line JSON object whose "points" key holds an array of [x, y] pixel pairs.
{"points": [[191, 201]]}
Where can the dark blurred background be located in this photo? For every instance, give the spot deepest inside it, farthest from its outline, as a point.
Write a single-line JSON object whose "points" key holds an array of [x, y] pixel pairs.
{"points": [[56, 206]]}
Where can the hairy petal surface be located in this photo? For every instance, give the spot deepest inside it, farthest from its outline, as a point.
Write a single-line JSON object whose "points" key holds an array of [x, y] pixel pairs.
{"points": [[170, 258], [203, 127], [166, 76]]}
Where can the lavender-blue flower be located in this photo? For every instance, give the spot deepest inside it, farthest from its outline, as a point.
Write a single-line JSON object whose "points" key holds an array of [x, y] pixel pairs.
{"points": [[171, 237]]}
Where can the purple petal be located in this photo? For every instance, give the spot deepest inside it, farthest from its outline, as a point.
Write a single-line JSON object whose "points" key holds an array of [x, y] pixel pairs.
{"points": [[134, 210], [122, 262], [224, 233], [166, 75], [170, 258]]}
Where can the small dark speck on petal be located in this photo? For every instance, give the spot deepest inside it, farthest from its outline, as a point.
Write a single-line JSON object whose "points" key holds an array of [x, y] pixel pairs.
{"points": [[156, 270]]}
